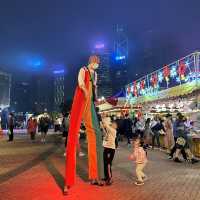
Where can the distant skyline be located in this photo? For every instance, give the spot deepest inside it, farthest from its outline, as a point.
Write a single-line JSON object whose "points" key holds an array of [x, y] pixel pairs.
{"points": [[36, 35]]}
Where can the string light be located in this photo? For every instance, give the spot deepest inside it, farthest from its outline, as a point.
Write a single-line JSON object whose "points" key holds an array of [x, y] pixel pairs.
{"points": [[160, 77], [173, 71], [179, 72]]}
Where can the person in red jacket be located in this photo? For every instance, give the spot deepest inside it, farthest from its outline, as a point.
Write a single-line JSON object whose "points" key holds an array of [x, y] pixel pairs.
{"points": [[32, 127]]}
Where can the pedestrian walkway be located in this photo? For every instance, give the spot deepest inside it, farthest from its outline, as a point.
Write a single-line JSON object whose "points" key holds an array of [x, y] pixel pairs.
{"points": [[35, 171]]}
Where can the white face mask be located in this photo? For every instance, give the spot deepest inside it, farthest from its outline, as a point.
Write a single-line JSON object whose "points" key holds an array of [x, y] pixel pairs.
{"points": [[95, 66]]}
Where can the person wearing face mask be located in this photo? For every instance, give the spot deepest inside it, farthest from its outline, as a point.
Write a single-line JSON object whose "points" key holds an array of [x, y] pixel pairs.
{"points": [[83, 108]]}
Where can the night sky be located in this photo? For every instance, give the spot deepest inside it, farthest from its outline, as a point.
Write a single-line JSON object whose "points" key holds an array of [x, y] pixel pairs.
{"points": [[36, 34]]}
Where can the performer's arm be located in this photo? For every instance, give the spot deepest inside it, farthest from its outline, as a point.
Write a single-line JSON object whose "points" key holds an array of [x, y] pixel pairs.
{"points": [[81, 83]]}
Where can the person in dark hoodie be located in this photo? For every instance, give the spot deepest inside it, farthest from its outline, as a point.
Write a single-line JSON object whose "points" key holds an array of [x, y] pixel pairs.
{"points": [[156, 127], [128, 128], [11, 125], [120, 130]]}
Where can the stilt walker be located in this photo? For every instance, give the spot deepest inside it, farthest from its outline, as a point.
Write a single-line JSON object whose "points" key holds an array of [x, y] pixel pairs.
{"points": [[83, 108]]}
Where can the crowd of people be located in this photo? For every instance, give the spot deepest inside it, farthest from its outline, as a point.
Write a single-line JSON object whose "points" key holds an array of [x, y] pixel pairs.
{"points": [[42, 125], [142, 134], [147, 133], [33, 126], [175, 133], [165, 133]]}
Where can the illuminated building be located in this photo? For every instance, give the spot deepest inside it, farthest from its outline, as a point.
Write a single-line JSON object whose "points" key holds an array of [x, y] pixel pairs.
{"points": [[104, 71], [120, 60], [59, 88], [21, 96], [121, 45], [119, 77], [5, 85], [41, 93]]}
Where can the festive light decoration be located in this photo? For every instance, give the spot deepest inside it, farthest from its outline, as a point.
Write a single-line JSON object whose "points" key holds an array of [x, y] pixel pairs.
{"points": [[135, 89], [154, 80], [182, 70], [131, 89], [173, 71], [178, 80], [166, 73], [187, 78], [187, 63], [160, 77], [142, 85], [138, 86], [128, 90]]}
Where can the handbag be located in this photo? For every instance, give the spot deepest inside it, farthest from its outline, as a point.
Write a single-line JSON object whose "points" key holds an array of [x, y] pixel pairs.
{"points": [[162, 132]]}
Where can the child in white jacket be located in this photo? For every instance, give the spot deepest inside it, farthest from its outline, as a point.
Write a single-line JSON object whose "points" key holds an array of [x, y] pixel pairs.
{"points": [[109, 129]]}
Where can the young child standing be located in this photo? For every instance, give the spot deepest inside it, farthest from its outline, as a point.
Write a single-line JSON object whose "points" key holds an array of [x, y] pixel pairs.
{"points": [[140, 158], [109, 129]]}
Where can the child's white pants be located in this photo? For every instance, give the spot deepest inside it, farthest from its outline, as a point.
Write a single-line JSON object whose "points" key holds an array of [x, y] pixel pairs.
{"points": [[139, 171]]}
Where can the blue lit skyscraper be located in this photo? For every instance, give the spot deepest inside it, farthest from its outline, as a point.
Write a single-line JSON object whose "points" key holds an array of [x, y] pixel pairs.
{"points": [[121, 45], [120, 61]]}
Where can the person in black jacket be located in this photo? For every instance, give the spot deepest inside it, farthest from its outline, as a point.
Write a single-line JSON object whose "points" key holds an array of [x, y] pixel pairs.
{"points": [[128, 129], [44, 126], [156, 128], [11, 125], [120, 130]]}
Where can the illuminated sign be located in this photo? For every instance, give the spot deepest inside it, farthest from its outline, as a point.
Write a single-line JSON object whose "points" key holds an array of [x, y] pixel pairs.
{"points": [[99, 46], [120, 57], [62, 71]]}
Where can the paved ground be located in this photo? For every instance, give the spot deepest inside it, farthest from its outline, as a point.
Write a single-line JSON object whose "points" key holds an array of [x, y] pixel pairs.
{"points": [[33, 171]]}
